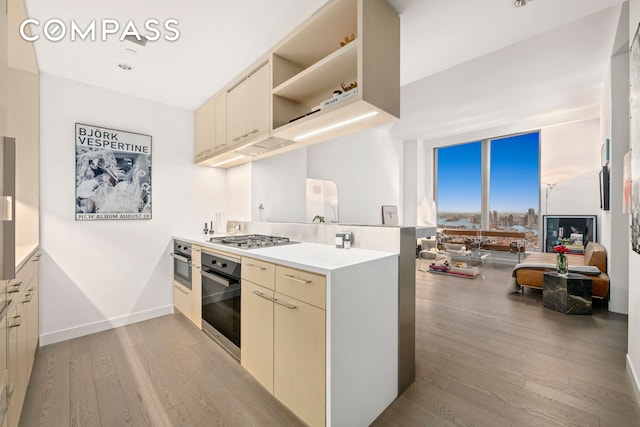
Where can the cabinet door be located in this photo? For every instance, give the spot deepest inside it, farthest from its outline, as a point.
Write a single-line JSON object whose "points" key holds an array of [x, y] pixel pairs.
{"points": [[221, 123], [205, 130], [299, 358], [23, 352], [236, 115], [32, 327], [196, 286], [182, 299], [13, 360], [258, 101], [248, 108], [256, 334]]}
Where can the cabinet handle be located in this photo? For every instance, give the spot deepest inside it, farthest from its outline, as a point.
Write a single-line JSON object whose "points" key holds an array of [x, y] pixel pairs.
{"points": [[27, 298], [256, 266], [4, 309], [181, 290], [196, 266], [180, 257], [285, 304], [262, 295], [17, 321], [14, 288], [203, 153], [219, 280], [295, 279]]}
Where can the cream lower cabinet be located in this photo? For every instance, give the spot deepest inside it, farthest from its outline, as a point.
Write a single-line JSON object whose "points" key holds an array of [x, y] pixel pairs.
{"points": [[189, 301], [182, 299], [22, 335], [257, 332], [299, 358], [283, 338]]}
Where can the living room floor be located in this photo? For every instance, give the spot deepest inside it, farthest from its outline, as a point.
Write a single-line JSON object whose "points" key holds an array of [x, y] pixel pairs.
{"points": [[485, 357]]}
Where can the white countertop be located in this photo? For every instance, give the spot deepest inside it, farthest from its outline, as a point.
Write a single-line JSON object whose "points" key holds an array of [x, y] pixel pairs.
{"points": [[308, 256]]}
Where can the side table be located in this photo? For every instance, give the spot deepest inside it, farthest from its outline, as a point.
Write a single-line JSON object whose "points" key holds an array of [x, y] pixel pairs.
{"points": [[569, 294]]}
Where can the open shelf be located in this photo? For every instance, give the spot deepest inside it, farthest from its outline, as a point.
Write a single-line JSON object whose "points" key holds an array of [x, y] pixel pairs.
{"points": [[322, 35], [317, 82]]}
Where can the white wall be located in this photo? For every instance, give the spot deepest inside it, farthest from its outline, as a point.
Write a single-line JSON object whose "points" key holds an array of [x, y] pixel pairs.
{"points": [[279, 183], [102, 274], [366, 168], [239, 200], [633, 357], [615, 221]]}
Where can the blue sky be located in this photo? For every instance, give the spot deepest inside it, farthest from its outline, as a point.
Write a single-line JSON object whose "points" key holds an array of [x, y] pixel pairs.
{"points": [[515, 176]]}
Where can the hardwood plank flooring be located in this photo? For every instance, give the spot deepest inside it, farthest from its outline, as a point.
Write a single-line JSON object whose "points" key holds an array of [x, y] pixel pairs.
{"points": [[484, 357]]}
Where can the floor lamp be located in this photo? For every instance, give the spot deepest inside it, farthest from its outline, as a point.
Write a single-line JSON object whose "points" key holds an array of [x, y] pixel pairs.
{"points": [[548, 189]]}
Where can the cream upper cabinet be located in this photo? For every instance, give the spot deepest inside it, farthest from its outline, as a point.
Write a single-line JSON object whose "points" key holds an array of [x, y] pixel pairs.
{"points": [[205, 130], [210, 122], [248, 108], [348, 45], [220, 143]]}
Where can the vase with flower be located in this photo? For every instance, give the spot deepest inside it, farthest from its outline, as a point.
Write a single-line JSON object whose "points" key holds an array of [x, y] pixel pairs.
{"points": [[562, 263]]}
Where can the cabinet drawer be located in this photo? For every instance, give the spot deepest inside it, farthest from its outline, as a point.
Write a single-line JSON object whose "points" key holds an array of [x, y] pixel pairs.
{"points": [[301, 285], [182, 299], [259, 272]]}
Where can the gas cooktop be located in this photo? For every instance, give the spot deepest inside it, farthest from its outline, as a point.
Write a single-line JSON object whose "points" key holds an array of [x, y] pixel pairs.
{"points": [[252, 241]]}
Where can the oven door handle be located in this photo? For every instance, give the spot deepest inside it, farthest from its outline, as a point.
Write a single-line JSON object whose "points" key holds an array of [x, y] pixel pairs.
{"points": [[180, 258], [217, 279]]}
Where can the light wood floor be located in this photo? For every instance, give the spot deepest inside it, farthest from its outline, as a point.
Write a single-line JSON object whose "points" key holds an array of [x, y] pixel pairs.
{"points": [[483, 358]]}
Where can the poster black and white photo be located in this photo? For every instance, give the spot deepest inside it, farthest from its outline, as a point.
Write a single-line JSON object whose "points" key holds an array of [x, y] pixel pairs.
{"points": [[113, 174]]}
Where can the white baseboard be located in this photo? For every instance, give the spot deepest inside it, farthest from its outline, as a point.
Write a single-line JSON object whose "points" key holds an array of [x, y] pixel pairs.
{"points": [[103, 325], [634, 378]]}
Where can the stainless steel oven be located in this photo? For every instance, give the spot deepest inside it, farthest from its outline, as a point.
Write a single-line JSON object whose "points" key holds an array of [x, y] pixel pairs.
{"points": [[221, 299], [182, 263]]}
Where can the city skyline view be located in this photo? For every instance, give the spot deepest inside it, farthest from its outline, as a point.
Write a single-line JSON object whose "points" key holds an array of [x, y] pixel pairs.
{"points": [[514, 175]]}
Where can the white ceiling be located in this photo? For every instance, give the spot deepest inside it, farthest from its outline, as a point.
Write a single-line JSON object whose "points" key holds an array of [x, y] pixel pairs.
{"points": [[501, 62]]}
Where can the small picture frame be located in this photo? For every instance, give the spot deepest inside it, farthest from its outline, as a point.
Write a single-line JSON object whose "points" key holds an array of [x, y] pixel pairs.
{"points": [[389, 215]]}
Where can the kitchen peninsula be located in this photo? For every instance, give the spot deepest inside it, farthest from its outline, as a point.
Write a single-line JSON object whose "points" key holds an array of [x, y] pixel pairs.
{"points": [[319, 326]]}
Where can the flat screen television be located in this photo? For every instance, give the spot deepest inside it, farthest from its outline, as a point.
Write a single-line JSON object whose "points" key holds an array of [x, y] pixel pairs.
{"points": [[574, 231], [604, 188]]}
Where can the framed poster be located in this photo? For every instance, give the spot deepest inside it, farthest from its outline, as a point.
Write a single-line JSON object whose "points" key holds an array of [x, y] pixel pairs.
{"points": [[634, 111], [390, 215], [113, 174]]}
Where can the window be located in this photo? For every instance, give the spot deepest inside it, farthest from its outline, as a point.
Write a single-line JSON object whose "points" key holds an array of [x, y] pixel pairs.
{"points": [[509, 183], [514, 185], [460, 186]]}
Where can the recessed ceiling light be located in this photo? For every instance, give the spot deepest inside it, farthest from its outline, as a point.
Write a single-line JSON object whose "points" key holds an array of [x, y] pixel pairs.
{"points": [[125, 67], [520, 3]]}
